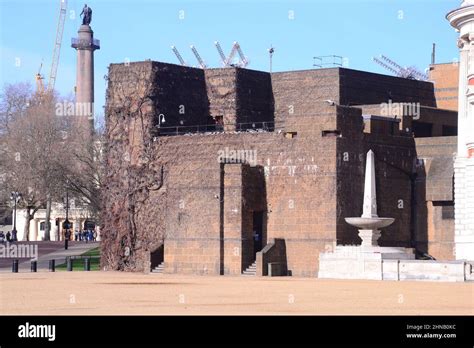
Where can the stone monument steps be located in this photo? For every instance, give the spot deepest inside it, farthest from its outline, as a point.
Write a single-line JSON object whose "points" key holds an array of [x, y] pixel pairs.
{"points": [[159, 269], [251, 270]]}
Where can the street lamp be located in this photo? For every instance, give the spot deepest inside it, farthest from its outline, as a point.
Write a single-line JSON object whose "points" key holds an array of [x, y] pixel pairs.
{"points": [[67, 224], [15, 197], [161, 119]]}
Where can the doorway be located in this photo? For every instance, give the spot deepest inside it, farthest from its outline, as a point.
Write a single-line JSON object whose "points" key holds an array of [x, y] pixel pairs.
{"points": [[257, 231]]}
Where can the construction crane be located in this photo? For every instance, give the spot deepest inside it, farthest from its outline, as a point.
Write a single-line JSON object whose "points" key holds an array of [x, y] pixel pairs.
{"points": [[57, 46], [178, 55], [201, 62], [409, 73]]}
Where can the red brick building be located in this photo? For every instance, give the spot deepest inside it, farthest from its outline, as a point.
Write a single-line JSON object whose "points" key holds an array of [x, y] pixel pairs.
{"points": [[261, 169]]}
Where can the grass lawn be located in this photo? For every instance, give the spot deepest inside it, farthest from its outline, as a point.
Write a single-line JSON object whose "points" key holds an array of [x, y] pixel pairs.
{"points": [[78, 264]]}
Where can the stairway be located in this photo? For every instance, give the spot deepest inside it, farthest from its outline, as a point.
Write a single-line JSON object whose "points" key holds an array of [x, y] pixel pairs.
{"points": [[251, 270], [159, 269]]}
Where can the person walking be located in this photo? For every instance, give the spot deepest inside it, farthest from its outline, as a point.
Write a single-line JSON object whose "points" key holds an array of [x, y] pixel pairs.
{"points": [[8, 237]]}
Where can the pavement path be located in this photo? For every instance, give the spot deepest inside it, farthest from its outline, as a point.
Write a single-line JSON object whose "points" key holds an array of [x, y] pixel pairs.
{"points": [[127, 293], [47, 251]]}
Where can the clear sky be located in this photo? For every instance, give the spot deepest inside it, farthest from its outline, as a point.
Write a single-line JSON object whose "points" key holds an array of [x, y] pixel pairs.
{"points": [[137, 30]]}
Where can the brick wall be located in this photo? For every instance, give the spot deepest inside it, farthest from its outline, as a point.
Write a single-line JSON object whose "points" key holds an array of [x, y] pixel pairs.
{"points": [[435, 196], [293, 182], [302, 94], [304, 185], [445, 78], [360, 87], [394, 158]]}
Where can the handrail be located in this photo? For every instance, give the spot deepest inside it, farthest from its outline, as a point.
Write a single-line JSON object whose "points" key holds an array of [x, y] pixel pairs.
{"points": [[239, 127]]}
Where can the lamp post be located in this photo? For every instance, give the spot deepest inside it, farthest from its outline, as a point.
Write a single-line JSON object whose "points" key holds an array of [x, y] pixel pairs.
{"points": [[271, 50], [15, 197], [66, 224], [161, 119]]}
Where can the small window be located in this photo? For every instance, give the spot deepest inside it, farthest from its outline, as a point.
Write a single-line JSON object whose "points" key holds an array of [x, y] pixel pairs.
{"points": [[331, 133], [447, 209], [450, 131], [42, 225], [447, 212]]}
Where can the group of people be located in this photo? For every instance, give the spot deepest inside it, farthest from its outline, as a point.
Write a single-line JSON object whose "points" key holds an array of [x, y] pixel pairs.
{"points": [[8, 237], [85, 236]]}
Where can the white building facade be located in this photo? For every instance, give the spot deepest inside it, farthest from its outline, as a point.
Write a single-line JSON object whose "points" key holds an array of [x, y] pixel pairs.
{"points": [[462, 19], [77, 216]]}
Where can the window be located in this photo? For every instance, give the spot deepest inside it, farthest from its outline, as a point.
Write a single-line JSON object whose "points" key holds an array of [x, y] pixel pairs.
{"points": [[331, 133], [42, 225], [422, 129], [450, 131], [447, 209], [447, 212]]}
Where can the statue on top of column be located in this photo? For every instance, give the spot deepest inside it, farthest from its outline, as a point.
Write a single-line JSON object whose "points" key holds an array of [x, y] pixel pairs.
{"points": [[87, 12]]}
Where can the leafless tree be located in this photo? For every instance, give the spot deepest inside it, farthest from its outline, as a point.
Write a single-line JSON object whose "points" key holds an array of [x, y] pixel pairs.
{"points": [[44, 153]]}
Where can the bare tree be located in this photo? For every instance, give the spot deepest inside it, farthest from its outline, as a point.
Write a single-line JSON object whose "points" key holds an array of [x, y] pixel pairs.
{"points": [[14, 101], [44, 152]]}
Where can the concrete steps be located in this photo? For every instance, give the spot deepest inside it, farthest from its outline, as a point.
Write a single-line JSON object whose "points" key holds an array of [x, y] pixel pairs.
{"points": [[159, 269], [251, 270]]}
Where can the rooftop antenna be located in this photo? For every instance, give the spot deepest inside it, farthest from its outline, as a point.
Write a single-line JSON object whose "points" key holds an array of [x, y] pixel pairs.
{"points": [[271, 50], [178, 55], [409, 73], [227, 61], [221, 53], [433, 54], [386, 66], [231, 55], [243, 62], [201, 62]]}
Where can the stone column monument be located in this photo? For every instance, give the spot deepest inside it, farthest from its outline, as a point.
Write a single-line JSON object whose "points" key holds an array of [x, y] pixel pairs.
{"points": [[85, 45], [369, 223], [365, 261], [462, 19]]}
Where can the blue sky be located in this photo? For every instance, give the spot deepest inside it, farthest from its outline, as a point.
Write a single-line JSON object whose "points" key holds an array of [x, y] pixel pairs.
{"points": [[137, 30]]}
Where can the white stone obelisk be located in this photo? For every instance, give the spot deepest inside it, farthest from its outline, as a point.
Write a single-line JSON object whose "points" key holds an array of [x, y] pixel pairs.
{"points": [[462, 19], [369, 223], [370, 194]]}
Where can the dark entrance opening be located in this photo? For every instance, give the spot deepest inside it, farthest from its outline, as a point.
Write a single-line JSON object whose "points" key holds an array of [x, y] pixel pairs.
{"points": [[257, 231], [89, 225], [157, 256], [219, 123]]}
